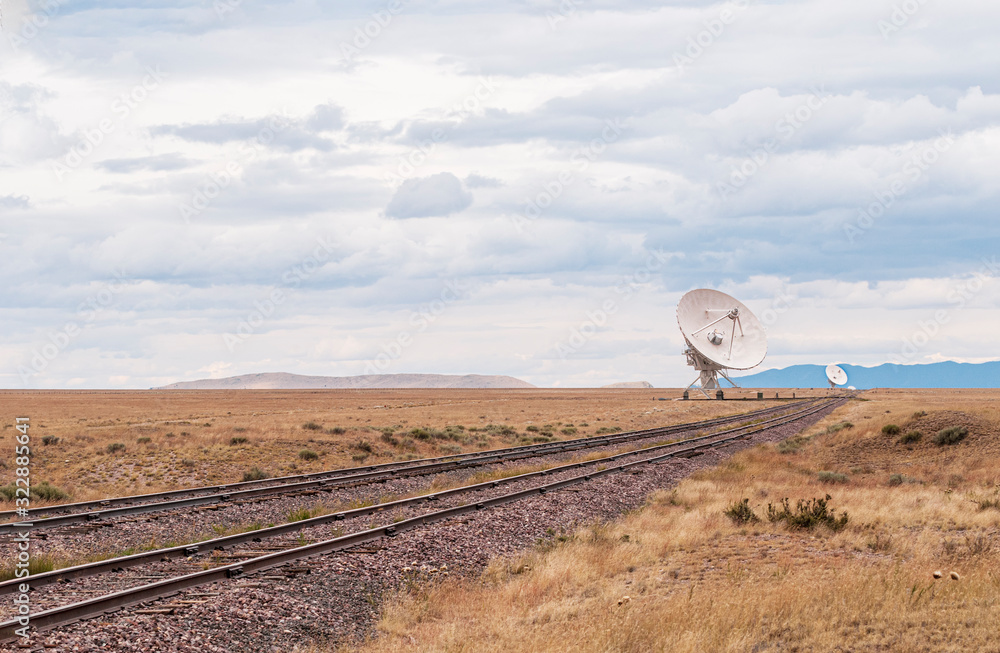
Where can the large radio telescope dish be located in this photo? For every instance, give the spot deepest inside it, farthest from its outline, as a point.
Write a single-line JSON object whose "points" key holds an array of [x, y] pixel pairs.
{"points": [[721, 334], [836, 375]]}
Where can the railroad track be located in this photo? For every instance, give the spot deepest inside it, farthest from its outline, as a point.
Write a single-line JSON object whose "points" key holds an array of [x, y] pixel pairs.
{"points": [[265, 558], [100, 510]]}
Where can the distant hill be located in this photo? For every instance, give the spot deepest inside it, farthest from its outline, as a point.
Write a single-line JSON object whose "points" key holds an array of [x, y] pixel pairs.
{"points": [[284, 381], [629, 384], [947, 374]]}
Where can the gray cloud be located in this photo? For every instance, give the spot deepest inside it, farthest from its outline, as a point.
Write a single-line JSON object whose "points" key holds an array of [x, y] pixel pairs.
{"points": [[438, 195], [159, 163], [276, 131]]}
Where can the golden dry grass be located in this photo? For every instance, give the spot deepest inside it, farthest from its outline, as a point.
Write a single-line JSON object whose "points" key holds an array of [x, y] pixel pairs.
{"points": [[679, 575], [179, 438]]}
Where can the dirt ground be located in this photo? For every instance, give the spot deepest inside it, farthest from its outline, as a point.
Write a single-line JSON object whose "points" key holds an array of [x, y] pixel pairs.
{"points": [[96, 444]]}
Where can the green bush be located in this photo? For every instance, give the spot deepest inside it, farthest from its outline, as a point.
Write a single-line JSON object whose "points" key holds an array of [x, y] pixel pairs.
{"points": [[890, 429], [312, 426], [832, 477], [47, 492], [952, 435], [143, 440], [49, 439], [741, 513], [532, 429], [308, 454], [255, 474], [238, 439], [337, 430], [605, 430], [911, 437], [807, 514], [364, 445], [791, 445], [42, 491], [115, 447], [187, 462], [569, 431]]}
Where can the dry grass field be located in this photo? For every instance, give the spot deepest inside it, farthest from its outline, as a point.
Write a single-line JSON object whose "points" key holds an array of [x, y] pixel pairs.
{"points": [[93, 445], [916, 567]]}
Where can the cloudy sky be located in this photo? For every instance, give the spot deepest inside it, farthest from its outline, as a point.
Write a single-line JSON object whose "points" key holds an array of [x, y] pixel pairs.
{"points": [[204, 188]]}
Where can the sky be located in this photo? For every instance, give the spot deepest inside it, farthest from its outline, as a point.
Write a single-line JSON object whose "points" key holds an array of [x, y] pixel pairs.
{"points": [[206, 188]]}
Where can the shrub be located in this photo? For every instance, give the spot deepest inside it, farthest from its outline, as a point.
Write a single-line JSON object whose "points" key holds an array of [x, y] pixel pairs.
{"points": [[569, 431], [238, 439], [42, 491], [388, 439], [911, 437], [308, 454], [951, 435], [169, 435], [359, 457], [364, 445], [143, 440], [312, 426], [187, 462], [47, 492], [255, 474], [832, 477], [791, 445], [919, 414], [741, 513], [604, 430], [986, 503], [532, 429], [840, 426], [49, 439], [115, 447], [337, 430], [807, 514], [239, 429], [890, 429]]}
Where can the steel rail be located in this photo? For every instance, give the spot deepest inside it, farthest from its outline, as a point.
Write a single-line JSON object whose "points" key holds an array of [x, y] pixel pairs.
{"points": [[118, 564], [226, 493]]}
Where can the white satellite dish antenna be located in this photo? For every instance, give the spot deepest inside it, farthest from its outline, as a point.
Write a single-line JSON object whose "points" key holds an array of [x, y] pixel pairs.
{"points": [[721, 334], [851, 387], [836, 375]]}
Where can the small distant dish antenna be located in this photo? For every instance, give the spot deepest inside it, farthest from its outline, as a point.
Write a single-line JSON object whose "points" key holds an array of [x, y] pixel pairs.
{"points": [[721, 334], [836, 375], [851, 387]]}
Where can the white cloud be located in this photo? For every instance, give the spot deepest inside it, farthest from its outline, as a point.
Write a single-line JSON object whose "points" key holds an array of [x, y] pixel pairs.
{"points": [[363, 148]]}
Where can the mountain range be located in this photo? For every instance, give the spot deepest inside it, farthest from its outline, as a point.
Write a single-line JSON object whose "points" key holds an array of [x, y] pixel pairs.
{"points": [[947, 374], [285, 381]]}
